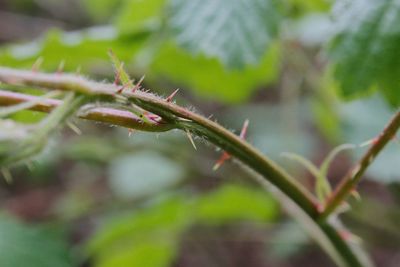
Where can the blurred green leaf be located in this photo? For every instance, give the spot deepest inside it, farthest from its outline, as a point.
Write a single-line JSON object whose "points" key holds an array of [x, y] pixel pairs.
{"points": [[234, 31], [209, 78], [153, 230], [139, 15], [147, 253], [366, 48], [300, 7], [156, 229], [22, 245], [86, 49], [100, 10], [231, 203]]}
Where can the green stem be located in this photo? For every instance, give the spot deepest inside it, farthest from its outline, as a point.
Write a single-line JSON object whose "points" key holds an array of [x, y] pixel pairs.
{"points": [[177, 117], [354, 175]]}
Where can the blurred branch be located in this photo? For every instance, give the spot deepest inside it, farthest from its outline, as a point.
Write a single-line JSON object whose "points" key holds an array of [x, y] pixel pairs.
{"points": [[354, 175]]}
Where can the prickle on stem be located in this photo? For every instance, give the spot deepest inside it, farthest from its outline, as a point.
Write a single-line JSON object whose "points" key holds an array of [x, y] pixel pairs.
{"points": [[139, 83], [225, 156], [171, 96]]}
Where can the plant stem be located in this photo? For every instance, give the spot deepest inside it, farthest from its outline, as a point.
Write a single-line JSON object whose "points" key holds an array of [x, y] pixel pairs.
{"points": [[100, 114], [354, 175], [177, 117], [174, 116]]}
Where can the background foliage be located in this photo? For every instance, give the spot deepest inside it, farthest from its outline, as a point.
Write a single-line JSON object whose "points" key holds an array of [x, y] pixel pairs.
{"points": [[291, 67]]}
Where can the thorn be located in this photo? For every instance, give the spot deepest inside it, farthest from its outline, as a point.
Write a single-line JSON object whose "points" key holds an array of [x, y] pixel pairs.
{"points": [[7, 175], [320, 207], [350, 237], [137, 86], [151, 116], [37, 64], [74, 128], [171, 96], [118, 75], [225, 156], [130, 132], [356, 195], [120, 90], [60, 68], [372, 141], [345, 235], [243, 132], [189, 135]]}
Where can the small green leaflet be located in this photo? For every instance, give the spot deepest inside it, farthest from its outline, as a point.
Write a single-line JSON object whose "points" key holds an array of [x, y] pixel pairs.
{"points": [[119, 70]]}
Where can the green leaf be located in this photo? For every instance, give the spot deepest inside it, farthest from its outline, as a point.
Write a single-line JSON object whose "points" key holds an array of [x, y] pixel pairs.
{"points": [[153, 231], [236, 32], [366, 47], [100, 10], [147, 253], [209, 78], [119, 70], [216, 207], [86, 49], [139, 15], [22, 245], [151, 235], [303, 7]]}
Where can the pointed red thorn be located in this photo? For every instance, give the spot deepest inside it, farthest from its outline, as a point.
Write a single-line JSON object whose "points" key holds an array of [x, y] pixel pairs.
{"points": [[120, 90], [225, 156], [137, 86], [60, 68], [171, 96], [345, 235], [320, 207], [151, 116], [37, 64]]}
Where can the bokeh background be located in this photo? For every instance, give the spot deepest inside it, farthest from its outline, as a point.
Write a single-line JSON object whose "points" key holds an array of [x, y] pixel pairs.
{"points": [[110, 199]]}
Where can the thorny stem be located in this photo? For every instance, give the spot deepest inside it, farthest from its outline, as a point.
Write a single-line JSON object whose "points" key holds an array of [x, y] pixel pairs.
{"points": [[174, 116], [354, 175], [177, 117], [100, 114]]}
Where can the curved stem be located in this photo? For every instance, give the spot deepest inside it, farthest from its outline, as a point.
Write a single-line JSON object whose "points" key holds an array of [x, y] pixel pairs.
{"points": [[177, 117]]}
